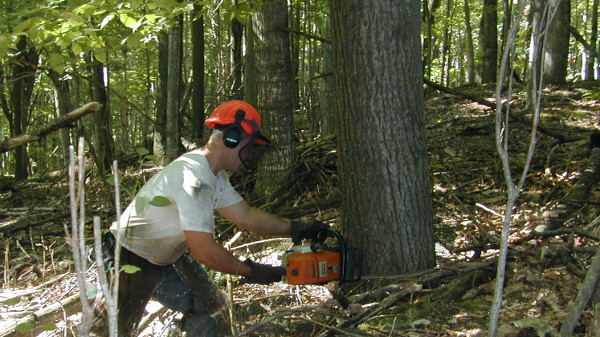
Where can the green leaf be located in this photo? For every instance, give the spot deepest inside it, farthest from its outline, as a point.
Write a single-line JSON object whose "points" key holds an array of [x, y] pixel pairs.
{"points": [[142, 151], [49, 327], [23, 26], [55, 60], [130, 269], [11, 301], [127, 20], [160, 201], [106, 20], [74, 18], [140, 204], [25, 327], [541, 325]]}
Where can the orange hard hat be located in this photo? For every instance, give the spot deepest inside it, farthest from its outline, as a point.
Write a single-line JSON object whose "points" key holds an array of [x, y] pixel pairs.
{"points": [[225, 114]]}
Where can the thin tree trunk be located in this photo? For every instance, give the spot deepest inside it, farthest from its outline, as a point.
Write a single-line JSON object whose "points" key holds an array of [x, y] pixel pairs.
{"points": [[469, 44], [103, 142], [557, 47], [23, 79], [592, 55], [489, 41], [237, 34], [173, 92], [198, 71], [160, 132]]}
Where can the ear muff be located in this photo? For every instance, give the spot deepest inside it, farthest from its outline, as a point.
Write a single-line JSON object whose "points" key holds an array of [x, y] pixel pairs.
{"points": [[233, 133]]}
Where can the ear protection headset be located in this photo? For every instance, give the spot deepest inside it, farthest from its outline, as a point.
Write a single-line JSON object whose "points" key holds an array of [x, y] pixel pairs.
{"points": [[233, 133]]}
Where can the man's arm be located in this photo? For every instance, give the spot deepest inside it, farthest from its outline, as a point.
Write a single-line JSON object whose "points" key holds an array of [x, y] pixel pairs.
{"points": [[207, 251], [256, 220]]}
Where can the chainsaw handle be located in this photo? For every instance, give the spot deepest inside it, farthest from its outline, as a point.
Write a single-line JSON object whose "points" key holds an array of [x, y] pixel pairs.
{"points": [[320, 240]]}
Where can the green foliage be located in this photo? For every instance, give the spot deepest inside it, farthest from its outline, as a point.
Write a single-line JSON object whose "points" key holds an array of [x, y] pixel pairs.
{"points": [[592, 94], [160, 201], [541, 325], [11, 301], [130, 269]]}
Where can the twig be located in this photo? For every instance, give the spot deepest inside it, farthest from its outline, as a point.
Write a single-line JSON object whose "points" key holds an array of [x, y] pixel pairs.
{"points": [[273, 316]]}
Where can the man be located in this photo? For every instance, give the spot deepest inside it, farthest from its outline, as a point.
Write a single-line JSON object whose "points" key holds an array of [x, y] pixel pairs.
{"points": [[174, 213]]}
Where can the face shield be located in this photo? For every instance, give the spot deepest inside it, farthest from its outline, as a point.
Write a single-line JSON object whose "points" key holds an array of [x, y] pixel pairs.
{"points": [[253, 150]]}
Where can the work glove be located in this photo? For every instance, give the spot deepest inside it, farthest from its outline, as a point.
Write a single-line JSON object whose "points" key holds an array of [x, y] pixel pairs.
{"points": [[306, 230], [263, 274]]}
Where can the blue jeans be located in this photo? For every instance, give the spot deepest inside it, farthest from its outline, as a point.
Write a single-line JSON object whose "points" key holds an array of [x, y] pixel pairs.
{"points": [[174, 294], [164, 285]]}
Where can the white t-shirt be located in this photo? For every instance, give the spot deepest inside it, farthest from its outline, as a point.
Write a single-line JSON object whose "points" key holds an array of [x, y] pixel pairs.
{"points": [[185, 195]]}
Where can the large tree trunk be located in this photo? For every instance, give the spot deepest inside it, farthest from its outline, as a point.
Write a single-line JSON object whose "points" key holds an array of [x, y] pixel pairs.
{"points": [[489, 41], [557, 45], [275, 94], [386, 205], [198, 71]]}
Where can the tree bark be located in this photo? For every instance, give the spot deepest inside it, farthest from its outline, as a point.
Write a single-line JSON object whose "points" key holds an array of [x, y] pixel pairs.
{"points": [[470, 53], [173, 92], [275, 92], [386, 205], [102, 121], [557, 43], [489, 41], [23, 79], [237, 35], [160, 133], [62, 105], [198, 71]]}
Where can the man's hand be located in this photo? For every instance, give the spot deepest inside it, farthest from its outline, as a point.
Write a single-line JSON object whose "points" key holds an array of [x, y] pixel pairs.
{"points": [[306, 230], [263, 274]]}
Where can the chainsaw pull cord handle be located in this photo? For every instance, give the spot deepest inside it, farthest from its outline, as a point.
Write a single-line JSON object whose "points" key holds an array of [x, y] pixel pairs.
{"points": [[343, 249]]}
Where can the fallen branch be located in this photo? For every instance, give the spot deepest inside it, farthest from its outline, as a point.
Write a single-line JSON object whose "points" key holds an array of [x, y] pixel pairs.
{"points": [[556, 213], [274, 316], [50, 314], [65, 121], [588, 286], [385, 304]]}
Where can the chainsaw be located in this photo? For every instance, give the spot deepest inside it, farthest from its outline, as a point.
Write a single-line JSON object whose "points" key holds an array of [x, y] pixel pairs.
{"points": [[318, 262]]}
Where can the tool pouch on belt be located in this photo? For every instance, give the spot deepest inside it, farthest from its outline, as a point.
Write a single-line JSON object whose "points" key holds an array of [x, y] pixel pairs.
{"points": [[202, 286]]}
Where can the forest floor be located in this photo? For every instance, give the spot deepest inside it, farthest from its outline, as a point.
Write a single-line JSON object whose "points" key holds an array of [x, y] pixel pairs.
{"points": [[469, 195]]}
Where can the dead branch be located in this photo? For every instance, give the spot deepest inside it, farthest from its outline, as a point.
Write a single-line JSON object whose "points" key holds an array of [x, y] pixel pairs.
{"points": [[458, 93], [588, 286], [65, 121], [49, 314], [276, 315], [557, 212], [387, 303]]}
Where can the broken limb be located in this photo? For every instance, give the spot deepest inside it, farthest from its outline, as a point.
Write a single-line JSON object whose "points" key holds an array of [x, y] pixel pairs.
{"points": [[57, 124]]}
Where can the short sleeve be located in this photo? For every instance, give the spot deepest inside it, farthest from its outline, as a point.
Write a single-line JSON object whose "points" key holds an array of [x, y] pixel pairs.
{"points": [[228, 196]]}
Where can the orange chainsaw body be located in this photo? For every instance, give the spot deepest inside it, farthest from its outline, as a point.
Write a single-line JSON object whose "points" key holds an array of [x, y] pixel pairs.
{"points": [[312, 267]]}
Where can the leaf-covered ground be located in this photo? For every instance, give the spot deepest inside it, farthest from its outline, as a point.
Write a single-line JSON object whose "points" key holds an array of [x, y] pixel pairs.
{"points": [[469, 194]]}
